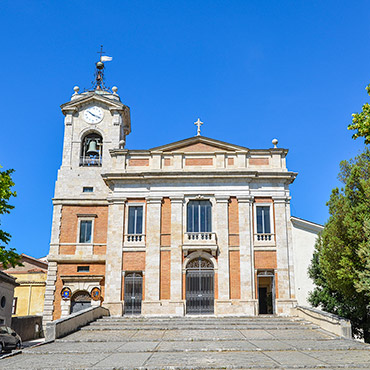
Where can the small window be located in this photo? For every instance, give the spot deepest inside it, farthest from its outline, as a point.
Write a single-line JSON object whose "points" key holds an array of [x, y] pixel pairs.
{"points": [[135, 220], [88, 189], [3, 301], [83, 268], [263, 220], [199, 216], [14, 307], [85, 231]]}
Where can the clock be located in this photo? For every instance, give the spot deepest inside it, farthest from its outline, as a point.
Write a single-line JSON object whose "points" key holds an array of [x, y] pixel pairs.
{"points": [[93, 115]]}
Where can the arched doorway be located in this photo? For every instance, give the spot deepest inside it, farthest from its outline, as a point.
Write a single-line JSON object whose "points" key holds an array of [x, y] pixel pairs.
{"points": [[133, 293], [80, 300], [199, 286]]}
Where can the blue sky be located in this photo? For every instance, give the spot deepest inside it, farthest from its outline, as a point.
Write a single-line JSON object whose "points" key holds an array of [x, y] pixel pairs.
{"points": [[251, 70]]}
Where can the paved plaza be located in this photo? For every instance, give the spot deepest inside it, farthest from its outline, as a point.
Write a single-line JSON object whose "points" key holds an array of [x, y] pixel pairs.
{"points": [[196, 343]]}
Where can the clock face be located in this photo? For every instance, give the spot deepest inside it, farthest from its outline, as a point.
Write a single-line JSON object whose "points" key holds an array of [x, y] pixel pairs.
{"points": [[93, 115]]}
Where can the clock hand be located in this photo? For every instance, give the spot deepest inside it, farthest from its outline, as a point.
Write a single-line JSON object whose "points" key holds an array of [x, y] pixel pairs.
{"points": [[93, 114]]}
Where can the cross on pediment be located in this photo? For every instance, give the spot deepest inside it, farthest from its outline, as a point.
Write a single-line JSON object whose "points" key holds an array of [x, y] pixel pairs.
{"points": [[198, 123]]}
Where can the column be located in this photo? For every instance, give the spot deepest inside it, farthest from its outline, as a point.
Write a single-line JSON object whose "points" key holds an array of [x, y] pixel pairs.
{"points": [[246, 248], [113, 266], [152, 257], [222, 229], [176, 254]]}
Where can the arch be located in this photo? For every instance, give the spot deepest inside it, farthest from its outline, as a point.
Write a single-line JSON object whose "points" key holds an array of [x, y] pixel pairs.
{"points": [[80, 300], [199, 284], [201, 254], [91, 151]]}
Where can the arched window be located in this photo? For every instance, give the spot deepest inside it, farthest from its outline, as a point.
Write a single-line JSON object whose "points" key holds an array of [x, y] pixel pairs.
{"points": [[91, 150]]}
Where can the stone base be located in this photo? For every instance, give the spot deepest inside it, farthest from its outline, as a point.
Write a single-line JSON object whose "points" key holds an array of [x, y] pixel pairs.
{"points": [[284, 306], [163, 308], [235, 307], [115, 308]]}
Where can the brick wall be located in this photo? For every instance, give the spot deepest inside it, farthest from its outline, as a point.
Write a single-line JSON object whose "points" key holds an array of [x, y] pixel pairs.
{"points": [[71, 269], [165, 275], [166, 223], [69, 223], [198, 161], [233, 222], [234, 261], [133, 261], [199, 147], [259, 161], [138, 162], [265, 260]]}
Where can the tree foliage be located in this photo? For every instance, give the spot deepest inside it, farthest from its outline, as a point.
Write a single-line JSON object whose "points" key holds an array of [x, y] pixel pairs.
{"points": [[7, 256], [361, 122], [340, 266]]}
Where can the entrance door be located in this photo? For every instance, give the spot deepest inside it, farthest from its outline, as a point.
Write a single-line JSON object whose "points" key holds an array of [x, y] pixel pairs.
{"points": [[80, 301], [133, 293], [199, 287], [266, 293]]}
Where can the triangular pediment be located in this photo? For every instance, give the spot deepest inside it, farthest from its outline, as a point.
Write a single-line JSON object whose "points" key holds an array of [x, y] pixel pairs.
{"points": [[92, 97], [199, 144]]}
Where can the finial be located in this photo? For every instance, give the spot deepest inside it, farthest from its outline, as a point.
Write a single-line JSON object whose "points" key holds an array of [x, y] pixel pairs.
{"points": [[198, 123], [98, 83], [76, 90], [275, 141], [115, 89]]}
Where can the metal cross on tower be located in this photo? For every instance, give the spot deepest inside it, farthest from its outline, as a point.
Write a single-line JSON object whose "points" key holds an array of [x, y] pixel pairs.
{"points": [[198, 123], [101, 51]]}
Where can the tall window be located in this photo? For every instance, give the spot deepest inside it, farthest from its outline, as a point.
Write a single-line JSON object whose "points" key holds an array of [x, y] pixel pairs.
{"points": [[135, 220], [199, 216], [85, 231], [263, 220]]}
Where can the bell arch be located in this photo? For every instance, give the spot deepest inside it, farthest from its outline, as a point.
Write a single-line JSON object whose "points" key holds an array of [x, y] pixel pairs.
{"points": [[91, 149]]}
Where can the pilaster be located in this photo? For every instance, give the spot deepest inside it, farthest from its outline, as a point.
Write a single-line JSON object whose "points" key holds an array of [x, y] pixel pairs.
{"points": [[49, 293], [222, 229], [246, 248], [176, 252], [285, 271], [113, 272], [152, 258]]}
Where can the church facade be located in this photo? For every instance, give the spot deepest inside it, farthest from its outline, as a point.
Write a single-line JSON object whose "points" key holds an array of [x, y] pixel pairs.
{"points": [[198, 226]]}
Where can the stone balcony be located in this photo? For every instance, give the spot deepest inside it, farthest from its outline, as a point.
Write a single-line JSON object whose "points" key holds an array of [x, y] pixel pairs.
{"points": [[200, 241], [264, 239], [134, 240]]}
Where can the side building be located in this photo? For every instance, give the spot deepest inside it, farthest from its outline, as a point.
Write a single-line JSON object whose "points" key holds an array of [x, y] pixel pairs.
{"points": [[198, 226]]}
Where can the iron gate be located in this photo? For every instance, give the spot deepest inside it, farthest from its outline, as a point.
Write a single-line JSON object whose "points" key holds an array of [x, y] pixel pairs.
{"points": [[133, 293], [199, 287]]}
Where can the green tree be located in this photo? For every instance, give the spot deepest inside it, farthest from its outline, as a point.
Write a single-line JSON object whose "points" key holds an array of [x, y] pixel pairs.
{"points": [[7, 256], [340, 266], [361, 122]]}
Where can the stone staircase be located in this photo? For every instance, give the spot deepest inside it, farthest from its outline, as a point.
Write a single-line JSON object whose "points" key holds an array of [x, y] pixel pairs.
{"points": [[206, 342]]}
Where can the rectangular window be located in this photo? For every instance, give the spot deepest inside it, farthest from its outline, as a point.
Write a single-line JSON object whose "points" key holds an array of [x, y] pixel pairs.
{"points": [[263, 220], [83, 268], [85, 231], [14, 307], [87, 189], [199, 216], [135, 220]]}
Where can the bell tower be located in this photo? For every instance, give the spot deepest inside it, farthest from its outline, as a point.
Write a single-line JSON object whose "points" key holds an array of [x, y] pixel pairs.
{"points": [[96, 121]]}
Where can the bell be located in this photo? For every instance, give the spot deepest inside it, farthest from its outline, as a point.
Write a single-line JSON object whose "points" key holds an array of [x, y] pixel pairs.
{"points": [[92, 148]]}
